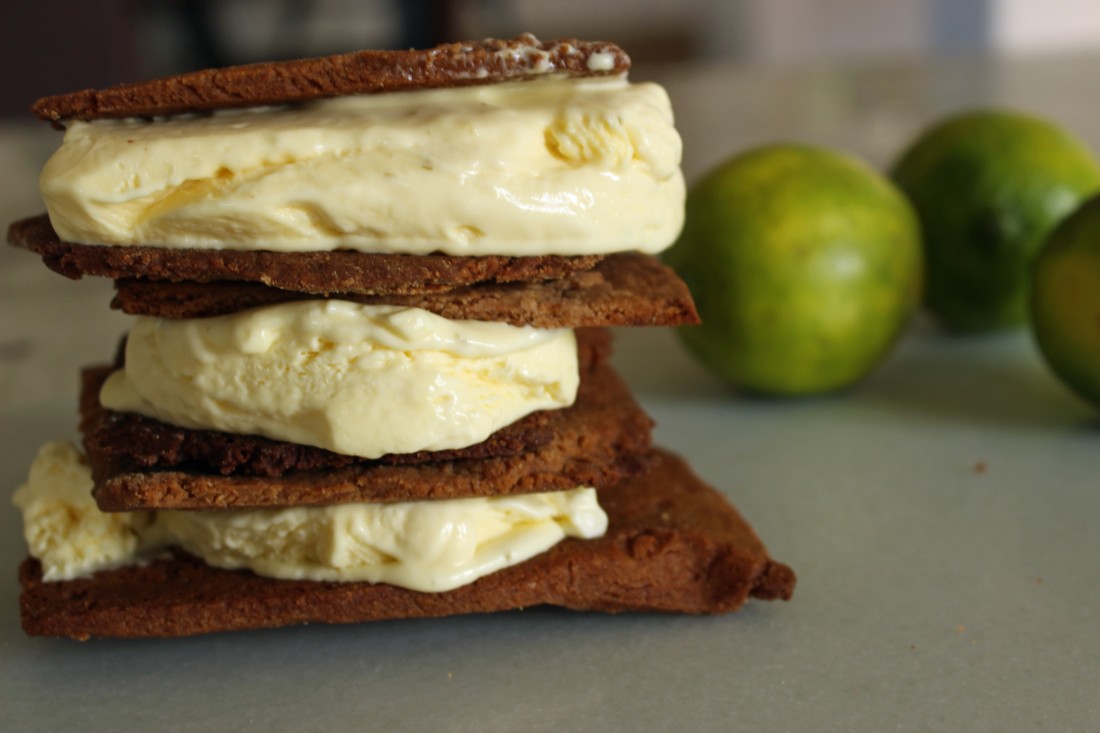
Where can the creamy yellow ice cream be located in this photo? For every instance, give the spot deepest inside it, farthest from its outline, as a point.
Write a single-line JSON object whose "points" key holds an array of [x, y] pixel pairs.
{"points": [[362, 380], [554, 166], [63, 526], [429, 546]]}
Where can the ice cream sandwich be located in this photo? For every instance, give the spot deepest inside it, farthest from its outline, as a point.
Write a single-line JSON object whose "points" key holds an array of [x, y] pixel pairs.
{"points": [[367, 377], [673, 544]]}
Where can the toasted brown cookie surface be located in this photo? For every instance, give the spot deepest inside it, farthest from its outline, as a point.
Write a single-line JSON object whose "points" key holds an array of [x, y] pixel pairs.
{"points": [[673, 544], [362, 72], [132, 441], [320, 273], [602, 438], [627, 289]]}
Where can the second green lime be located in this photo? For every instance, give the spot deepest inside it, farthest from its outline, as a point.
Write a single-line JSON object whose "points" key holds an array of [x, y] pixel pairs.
{"points": [[805, 265], [1065, 301], [988, 187]]}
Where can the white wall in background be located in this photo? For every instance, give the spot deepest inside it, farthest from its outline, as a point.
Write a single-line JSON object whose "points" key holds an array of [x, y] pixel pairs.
{"points": [[799, 31], [751, 31], [1042, 25], [781, 31]]}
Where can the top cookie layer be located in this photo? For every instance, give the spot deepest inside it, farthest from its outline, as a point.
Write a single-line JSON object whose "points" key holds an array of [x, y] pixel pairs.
{"points": [[362, 72]]}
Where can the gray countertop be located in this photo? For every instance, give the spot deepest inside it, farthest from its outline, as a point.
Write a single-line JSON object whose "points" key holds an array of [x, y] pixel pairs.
{"points": [[941, 516]]}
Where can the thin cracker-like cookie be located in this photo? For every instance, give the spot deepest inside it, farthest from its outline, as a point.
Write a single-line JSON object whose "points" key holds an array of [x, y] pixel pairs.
{"points": [[362, 72], [319, 273], [629, 289], [673, 544], [602, 438]]}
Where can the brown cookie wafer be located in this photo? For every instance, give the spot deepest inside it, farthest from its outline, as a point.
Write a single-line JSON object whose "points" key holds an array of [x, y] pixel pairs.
{"points": [[363, 72], [340, 271], [128, 441], [628, 289], [602, 438], [672, 544]]}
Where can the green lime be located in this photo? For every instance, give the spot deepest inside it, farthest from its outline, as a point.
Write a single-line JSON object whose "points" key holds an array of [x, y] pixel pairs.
{"points": [[988, 187], [1065, 301], [804, 263]]}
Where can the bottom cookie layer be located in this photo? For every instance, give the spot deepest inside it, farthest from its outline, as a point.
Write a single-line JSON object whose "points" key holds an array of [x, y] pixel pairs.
{"points": [[673, 544]]}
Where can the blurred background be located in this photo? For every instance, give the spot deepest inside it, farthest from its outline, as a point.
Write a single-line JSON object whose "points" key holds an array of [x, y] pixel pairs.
{"points": [[54, 46]]}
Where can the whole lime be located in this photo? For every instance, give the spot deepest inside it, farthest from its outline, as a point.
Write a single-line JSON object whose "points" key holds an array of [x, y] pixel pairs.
{"points": [[804, 263], [1065, 301], [988, 187]]}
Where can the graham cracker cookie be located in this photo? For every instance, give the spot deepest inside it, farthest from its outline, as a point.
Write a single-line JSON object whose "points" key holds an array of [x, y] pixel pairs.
{"points": [[469, 63], [673, 544], [629, 289], [318, 273]]}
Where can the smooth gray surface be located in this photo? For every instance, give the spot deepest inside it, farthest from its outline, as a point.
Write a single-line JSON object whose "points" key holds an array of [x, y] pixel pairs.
{"points": [[933, 594]]}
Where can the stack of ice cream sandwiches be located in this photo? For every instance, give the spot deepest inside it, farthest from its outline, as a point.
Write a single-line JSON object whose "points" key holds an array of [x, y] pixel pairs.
{"points": [[368, 375]]}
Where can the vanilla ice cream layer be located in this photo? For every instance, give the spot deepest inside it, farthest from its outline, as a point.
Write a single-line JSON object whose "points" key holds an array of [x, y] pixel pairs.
{"points": [[555, 166], [63, 527], [361, 380], [429, 546]]}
